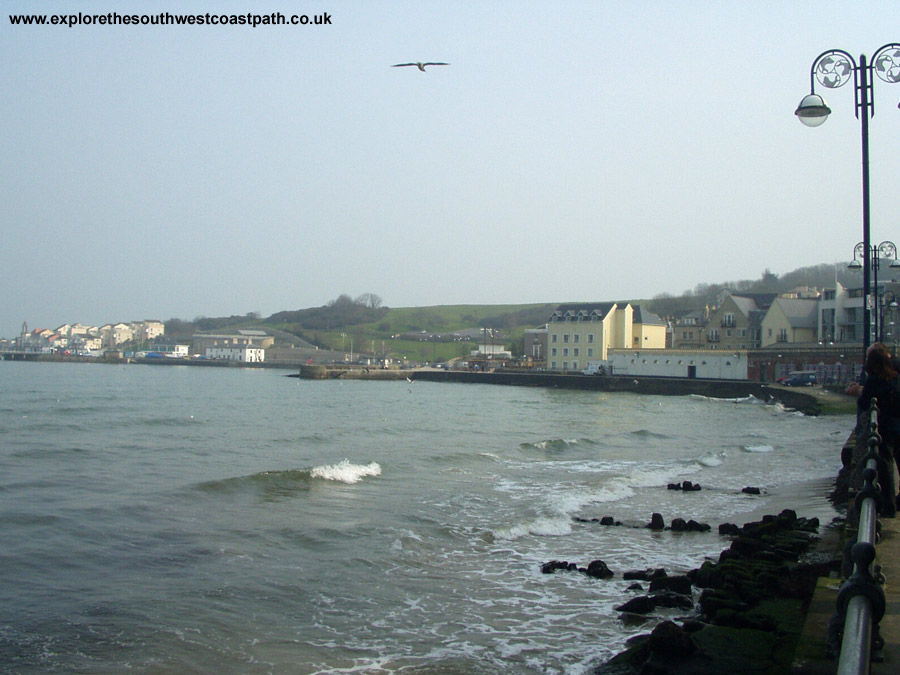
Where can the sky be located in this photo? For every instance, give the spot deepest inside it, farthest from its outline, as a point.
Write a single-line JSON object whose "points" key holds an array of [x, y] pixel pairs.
{"points": [[571, 151]]}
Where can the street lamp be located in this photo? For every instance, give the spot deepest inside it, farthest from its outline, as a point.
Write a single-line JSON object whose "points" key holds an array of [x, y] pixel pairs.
{"points": [[833, 69], [889, 302], [886, 249]]}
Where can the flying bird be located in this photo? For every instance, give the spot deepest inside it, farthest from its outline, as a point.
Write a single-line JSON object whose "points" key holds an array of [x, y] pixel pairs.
{"points": [[420, 65]]}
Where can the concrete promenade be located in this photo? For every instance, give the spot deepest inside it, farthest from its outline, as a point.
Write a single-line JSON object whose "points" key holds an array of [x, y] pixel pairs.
{"points": [[810, 658]]}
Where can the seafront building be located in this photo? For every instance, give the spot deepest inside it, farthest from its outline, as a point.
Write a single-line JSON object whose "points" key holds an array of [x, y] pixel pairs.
{"points": [[580, 333]]}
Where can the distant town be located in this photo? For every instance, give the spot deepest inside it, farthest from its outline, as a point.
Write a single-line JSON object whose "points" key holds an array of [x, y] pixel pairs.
{"points": [[802, 336]]}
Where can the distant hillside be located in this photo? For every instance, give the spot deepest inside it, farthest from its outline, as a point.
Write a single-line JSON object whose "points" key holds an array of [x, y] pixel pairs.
{"points": [[367, 325], [816, 276]]}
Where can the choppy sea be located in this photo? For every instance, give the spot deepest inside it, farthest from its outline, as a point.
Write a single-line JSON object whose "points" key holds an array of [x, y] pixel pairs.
{"points": [[206, 520]]}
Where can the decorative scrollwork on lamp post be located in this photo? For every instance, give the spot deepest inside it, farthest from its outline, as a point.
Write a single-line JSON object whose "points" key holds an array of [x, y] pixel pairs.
{"points": [[833, 69], [875, 254]]}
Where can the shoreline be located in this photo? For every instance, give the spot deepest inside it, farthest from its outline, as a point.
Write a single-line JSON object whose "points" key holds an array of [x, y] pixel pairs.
{"points": [[755, 600]]}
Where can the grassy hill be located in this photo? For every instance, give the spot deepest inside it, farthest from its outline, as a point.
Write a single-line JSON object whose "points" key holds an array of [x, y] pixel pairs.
{"points": [[370, 327], [380, 329]]}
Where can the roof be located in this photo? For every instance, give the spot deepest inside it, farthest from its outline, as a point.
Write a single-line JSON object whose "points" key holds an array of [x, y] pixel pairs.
{"points": [[646, 317], [602, 308], [747, 302], [801, 312]]}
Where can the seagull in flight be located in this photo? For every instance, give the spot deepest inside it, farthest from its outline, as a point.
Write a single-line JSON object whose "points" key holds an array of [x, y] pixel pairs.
{"points": [[420, 65]]}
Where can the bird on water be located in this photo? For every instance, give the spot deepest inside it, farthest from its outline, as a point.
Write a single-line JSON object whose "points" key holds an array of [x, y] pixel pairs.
{"points": [[420, 65]]}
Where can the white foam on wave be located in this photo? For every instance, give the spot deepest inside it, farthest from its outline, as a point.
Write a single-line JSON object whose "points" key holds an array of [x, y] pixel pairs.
{"points": [[712, 459], [758, 448], [552, 526], [345, 472], [740, 399]]}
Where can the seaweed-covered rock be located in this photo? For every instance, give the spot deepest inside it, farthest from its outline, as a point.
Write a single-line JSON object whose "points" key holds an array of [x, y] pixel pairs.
{"points": [[676, 584], [657, 522], [599, 570]]}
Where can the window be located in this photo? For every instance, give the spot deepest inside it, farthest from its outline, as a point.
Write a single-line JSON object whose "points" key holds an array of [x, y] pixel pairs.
{"points": [[575, 351], [590, 338], [577, 338], [553, 337], [553, 351], [590, 352], [782, 335], [566, 337], [728, 320], [565, 351]]}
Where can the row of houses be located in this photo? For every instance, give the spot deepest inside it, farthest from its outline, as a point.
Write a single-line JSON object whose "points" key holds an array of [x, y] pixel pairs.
{"points": [[744, 336], [804, 316], [81, 338]]}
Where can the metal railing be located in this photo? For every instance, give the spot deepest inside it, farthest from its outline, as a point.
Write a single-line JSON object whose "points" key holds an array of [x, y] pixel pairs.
{"points": [[853, 630]]}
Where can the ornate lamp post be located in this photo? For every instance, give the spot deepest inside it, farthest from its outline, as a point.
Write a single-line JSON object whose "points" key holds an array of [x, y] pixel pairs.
{"points": [[889, 304], [833, 69], [886, 249]]}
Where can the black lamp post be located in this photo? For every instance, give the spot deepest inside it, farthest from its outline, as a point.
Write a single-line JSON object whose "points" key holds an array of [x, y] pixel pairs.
{"points": [[833, 69], [889, 304], [886, 249]]}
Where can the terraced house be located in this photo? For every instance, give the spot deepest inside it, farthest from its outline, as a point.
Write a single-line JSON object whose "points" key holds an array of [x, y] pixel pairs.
{"points": [[580, 333]]}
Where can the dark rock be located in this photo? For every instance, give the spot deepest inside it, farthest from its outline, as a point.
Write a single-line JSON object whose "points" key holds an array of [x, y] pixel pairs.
{"points": [[645, 575], [669, 639], [751, 620], [694, 526], [673, 486], [656, 522], [729, 529], [635, 587], [688, 486], [678, 525], [643, 604], [746, 546], [599, 570], [554, 565], [751, 491], [672, 600], [680, 584], [607, 520]]}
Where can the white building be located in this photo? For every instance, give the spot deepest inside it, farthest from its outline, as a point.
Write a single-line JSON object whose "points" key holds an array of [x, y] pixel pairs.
{"points": [[703, 364], [242, 353]]}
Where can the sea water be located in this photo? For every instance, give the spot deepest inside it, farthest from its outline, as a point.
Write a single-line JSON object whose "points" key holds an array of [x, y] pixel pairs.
{"points": [[176, 519]]}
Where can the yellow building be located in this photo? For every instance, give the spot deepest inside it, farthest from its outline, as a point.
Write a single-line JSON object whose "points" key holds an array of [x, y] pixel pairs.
{"points": [[580, 333], [790, 320]]}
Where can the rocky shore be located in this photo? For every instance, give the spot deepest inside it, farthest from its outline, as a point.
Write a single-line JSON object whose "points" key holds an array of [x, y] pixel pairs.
{"points": [[743, 613]]}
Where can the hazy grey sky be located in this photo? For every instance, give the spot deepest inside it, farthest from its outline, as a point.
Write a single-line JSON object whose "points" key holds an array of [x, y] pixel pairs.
{"points": [[572, 151]]}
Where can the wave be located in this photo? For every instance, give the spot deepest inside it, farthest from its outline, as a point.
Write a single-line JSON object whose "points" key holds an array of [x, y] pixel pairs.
{"points": [[757, 448], [556, 443], [712, 459], [752, 400], [549, 526], [289, 481], [646, 433], [345, 472]]}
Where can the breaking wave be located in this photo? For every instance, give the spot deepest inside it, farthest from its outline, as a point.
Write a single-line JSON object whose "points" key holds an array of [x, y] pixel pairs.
{"points": [[757, 448], [556, 443], [345, 472], [289, 481]]}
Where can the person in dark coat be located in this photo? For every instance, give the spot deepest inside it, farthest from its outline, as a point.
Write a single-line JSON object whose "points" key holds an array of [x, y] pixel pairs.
{"points": [[882, 384]]}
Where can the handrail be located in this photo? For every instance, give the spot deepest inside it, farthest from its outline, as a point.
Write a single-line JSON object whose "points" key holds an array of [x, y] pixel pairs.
{"points": [[861, 602]]}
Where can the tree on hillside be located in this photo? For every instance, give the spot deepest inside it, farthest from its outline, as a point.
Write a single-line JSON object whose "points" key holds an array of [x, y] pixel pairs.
{"points": [[370, 300]]}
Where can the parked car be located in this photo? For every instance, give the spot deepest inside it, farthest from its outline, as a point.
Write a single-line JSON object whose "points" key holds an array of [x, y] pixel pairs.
{"points": [[801, 379]]}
